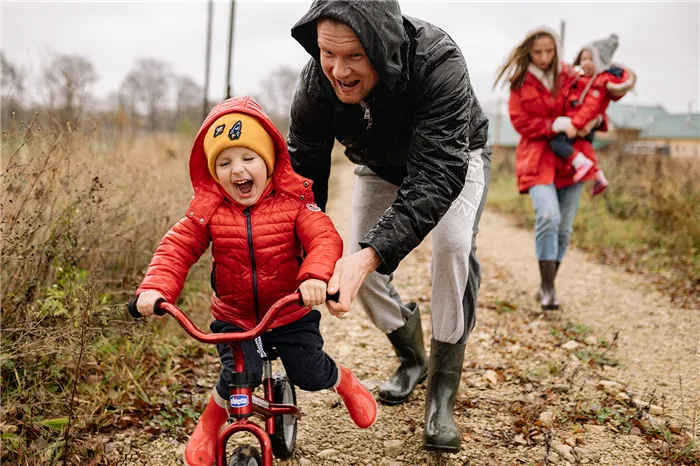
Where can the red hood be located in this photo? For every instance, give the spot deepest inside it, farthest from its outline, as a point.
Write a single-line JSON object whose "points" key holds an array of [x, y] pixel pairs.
{"points": [[208, 193]]}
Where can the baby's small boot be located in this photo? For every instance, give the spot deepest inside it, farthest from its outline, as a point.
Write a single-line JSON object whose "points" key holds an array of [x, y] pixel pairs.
{"points": [[582, 164], [600, 183]]}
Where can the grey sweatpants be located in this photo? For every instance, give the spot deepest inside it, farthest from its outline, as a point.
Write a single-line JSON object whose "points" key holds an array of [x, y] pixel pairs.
{"points": [[456, 272]]}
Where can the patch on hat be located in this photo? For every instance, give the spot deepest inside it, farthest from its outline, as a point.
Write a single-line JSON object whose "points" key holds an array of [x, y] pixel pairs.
{"points": [[219, 129], [235, 131], [313, 207]]}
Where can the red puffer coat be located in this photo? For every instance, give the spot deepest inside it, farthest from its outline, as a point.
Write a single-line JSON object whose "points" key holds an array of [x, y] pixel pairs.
{"points": [[597, 98], [257, 250], [533, 108]]}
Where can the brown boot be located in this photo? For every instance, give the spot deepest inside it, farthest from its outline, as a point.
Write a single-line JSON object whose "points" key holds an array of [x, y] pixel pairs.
{"points": [[538, 295], [548, 299]]}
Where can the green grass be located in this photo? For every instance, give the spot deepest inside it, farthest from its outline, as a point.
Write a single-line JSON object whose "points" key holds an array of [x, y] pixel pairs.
{"points": [[597, 358], [505, 306], [646, 222], [594, 227], [72, 362]]}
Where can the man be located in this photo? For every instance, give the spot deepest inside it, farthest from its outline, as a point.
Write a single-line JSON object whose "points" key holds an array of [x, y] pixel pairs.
{"points": [[395, 92]]}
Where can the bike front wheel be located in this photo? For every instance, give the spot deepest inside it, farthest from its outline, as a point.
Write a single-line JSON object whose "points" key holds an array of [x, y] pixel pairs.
{"points": [[246, 455]]}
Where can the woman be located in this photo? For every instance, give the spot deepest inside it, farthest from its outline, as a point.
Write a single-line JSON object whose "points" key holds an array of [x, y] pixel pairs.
{"points": [[538, 86]]}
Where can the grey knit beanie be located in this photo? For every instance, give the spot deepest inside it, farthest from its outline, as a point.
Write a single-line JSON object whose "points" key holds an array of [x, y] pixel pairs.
{"points": [[602, 51]]}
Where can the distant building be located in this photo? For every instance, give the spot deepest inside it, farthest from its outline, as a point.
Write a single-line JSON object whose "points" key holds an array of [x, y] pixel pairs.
{"points": [[680, 134], [634, 129]]}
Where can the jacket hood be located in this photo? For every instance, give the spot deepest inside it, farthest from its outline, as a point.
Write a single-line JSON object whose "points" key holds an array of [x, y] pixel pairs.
{"points": [[209, 193], [557, 41], [602, 51], [377, 23]]}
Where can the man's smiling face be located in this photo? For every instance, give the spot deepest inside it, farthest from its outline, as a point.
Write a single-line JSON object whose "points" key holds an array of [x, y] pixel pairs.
{"points": [[345, 62]]}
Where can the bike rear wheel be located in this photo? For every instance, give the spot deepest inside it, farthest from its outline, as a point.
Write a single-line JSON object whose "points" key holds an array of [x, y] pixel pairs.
{"points": [[285, 437]]}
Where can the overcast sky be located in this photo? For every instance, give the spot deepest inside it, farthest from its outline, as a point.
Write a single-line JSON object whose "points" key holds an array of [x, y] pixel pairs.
{"points": [[659, 40]]}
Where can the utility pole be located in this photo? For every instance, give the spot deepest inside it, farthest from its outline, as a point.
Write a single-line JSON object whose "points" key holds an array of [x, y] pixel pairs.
{"points": [[497, 127], [562, 31], [230, 49], [205, 105]]}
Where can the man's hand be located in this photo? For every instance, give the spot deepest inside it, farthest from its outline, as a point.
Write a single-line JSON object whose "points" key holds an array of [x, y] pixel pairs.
{"points": [[313, 291], [146, 301], [349, 274], [571, 131]]}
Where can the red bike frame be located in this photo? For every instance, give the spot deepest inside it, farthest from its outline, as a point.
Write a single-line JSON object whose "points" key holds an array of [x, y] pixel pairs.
{"points": [[263, 408]]}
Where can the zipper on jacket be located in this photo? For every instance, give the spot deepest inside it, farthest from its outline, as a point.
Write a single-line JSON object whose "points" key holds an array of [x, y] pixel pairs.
{"points": [[368, 115], [249, 225]]}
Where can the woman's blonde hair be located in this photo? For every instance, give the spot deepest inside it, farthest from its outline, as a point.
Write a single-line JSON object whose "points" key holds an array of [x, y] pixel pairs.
{"points": [[515, 67]]}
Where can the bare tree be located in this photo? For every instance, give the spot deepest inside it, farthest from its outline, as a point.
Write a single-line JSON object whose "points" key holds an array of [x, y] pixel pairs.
{"points": [[129, 97], [112, 114], [67, 79], [188, 99], [149, 81], [12, 77], [277, 94], [12, 89]]}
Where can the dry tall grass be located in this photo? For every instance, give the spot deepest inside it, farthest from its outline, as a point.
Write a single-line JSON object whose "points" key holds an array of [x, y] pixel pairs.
{"points": [[648, 220], [80, 220]]}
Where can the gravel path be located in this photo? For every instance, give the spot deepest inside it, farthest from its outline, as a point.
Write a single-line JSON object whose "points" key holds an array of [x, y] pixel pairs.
{"points": [[525, 395]]}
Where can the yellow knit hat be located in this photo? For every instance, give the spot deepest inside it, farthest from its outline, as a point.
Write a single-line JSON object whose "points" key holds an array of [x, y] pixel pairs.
{"points": [[238, 130]]}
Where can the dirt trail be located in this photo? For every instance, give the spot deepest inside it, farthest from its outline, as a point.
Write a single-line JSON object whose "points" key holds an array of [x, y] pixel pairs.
{"points": [[523, 385], [659, 344]]}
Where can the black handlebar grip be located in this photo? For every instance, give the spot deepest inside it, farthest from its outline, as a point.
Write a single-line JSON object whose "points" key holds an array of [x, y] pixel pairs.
{"points": [[156, 307], [134, 311]]}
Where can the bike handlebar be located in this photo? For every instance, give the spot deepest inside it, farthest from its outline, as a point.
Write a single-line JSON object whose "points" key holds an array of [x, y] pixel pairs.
{"points": [[162, 307]]}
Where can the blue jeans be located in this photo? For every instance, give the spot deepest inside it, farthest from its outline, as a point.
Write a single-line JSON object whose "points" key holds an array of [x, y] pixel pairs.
{"points": [[555, 210]]}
